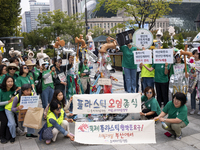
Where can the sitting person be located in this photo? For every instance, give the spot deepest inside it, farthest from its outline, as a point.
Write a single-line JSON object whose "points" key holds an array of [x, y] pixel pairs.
{"points": [[58, 120], [152, 109], [177, 115]]}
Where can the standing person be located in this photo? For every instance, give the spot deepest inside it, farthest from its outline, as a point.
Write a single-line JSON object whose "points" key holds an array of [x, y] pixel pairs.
{"points": [[138, 78], [24, 78], [177, 115], [17, 61], [194, 93], [11, 71], [130, 69], [47, 84], [60, 82], [3, 70], [6, 96], [161, 81]]}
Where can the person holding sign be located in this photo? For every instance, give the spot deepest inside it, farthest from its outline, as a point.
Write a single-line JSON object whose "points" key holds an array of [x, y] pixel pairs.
{"points": [[130, 68], [14, 107], [47, 84], [152, 107], [177, 116], [6, 96], [58, 121], [161, 81]]}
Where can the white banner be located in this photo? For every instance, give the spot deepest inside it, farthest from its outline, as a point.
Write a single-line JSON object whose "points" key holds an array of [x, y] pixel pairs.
{"points": [[179, 68], [161, 56], [106, 103], [115, 132], [104, 81], [29, 101], [144, 57]]}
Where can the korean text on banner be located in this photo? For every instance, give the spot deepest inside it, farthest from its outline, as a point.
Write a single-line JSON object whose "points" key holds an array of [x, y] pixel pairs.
{"points": [[179, 68], [29, 101], [107, 103], [115, 132], [144, 57], [161, 56]]}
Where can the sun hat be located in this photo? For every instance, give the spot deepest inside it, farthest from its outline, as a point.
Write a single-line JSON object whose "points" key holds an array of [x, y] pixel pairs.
{"points": [[29, 63], [12, 65]]}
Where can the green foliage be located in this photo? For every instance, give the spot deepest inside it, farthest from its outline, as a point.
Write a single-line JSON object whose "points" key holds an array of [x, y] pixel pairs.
{"points": [[180, 42], [97, 31], [142, 11], [165, 43], [10, 18]]}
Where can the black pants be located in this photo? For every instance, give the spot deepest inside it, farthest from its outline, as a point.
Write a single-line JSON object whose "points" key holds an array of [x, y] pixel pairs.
{"points": [[4, 130], [162, 92], [150, 116]]}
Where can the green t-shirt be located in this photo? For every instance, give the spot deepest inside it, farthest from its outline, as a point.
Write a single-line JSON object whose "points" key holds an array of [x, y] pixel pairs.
{"points": [[152, 104], [36, 75], [84, 69], [147, 73], [23, 80], [2, 78], [5, 96], [172, 69], [44, 86], [128, 58], [160, 75], [173, 112]]}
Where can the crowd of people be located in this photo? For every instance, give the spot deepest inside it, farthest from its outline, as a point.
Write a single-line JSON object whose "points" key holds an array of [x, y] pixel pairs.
{"points": [[23, 78]]}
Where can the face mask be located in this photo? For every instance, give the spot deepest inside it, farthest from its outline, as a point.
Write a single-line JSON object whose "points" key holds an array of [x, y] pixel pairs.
{"points": [[46, 66]]}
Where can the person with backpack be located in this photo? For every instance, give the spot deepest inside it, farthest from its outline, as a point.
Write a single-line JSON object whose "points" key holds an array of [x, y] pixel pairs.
{"points": [[14, 107], [33, 73]]}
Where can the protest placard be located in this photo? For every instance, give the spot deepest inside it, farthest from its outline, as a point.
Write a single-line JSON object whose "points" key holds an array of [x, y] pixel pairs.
{"points": [[144, 57], [29, 101], [62, 77], [197, 65], [161, 56], [104, 81], [115, 132], [107, 103], [179, 68]]}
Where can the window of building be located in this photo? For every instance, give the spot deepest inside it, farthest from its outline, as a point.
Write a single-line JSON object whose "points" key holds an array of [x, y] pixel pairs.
{"points": [[104, 25], [118, 31], [111, 25], [100, 25], [108, 25], [108, 31], [91, 26]]}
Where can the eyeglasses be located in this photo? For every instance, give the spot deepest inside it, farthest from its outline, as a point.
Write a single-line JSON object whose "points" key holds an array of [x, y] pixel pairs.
{"points": [[26, 68], [58, 108], [148, 92], [12, 68], [177, 56]]}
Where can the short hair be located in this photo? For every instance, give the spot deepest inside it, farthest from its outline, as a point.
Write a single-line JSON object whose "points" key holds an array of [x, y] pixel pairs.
{"points": [[26, 87], [12, 59], [1, 68], [21, 71], [181, 97], [149, 88], [3, 85], [54, 105]]}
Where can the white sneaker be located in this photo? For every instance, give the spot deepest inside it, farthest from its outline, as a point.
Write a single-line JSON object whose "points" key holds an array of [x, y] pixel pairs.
{"points": [[20, 132], [198, 112], [192, 112], [178, 138]]}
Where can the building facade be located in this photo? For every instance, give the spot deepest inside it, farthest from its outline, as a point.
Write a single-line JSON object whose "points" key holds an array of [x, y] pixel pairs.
{"points": [[162, 23], [37, 8], [26, 22]]}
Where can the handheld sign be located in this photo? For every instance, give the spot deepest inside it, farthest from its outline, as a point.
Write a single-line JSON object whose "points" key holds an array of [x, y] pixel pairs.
{"points": [[142, 38], [144, 57], [29, 101], [161, 56]]}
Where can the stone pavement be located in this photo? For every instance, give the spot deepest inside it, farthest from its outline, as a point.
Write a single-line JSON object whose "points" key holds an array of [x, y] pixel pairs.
{"points": [[190, 140]]}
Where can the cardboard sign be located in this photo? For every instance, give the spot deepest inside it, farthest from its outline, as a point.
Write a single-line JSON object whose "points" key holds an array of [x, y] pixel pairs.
{"points": [[179, 68], [48, 80], [106, 103], [197, 65], [161, 56], [22, 114], [142, 38], [144, 57], [62, 77], [115, 132], [104, 81], [29, 101]]}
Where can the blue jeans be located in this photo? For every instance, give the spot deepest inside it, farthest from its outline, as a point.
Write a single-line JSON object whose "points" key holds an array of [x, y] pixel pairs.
{"points": [[130, 78], [193, 99], [12, 124], [147, 81], [47, 96]]}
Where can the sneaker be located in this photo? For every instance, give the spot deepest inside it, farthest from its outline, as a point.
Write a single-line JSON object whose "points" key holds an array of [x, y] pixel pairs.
{"points": [[178, 138], [192, 112], [12, 140], [198, 113], [4, 141], [29, 136], [48, 142], [20, 132]]}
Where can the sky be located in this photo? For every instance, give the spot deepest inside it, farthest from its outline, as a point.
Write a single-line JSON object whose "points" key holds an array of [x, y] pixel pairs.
{"points": [[25, 5]]}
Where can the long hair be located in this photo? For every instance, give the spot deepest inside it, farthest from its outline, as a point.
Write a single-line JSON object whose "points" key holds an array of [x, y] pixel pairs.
{"points": [[55, 94], [21, 71], [4, 87], [1, 68]]}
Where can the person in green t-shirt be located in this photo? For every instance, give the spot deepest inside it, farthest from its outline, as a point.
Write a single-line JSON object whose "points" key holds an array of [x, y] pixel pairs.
{"points": [[161, 81], [177, 115], [2, 70], [152, 107], [130, 68]]}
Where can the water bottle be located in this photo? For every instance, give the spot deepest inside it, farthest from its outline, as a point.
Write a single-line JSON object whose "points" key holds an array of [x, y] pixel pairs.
{"points": [[164, 125]]}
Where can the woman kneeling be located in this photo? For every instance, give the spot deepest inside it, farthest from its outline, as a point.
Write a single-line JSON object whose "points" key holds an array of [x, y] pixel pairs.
{"points": [[177, 115]]}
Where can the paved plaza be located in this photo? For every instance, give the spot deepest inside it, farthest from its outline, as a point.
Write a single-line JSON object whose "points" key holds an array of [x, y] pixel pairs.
{"points": [[190, 140]]}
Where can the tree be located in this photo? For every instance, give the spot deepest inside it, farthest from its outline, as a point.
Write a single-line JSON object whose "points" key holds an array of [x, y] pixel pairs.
{"points": [[180, 42], [10, 18], [142, 11], [97, 31], [165, 44]]}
